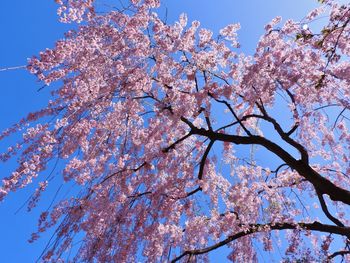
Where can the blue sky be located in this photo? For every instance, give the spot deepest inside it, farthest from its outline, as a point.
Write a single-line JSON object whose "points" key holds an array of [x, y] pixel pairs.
{"points": [[30, 26]]}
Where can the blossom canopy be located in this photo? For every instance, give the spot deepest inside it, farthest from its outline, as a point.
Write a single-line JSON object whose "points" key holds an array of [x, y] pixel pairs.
{"points": [[157, 126]]}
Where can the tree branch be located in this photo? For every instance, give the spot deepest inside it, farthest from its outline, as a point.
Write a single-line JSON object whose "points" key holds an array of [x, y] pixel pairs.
{"points": [[256, 228], [204, 158], [172, 146], [285, 136], [233, 113], [338, 253], [326, 211], [321, 184]]}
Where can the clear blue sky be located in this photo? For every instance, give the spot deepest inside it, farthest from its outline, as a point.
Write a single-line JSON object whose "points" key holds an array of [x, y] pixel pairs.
{"points": [[30, 26]]}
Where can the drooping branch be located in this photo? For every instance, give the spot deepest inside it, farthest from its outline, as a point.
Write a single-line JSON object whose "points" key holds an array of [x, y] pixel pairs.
{"points": [[256, 228]]}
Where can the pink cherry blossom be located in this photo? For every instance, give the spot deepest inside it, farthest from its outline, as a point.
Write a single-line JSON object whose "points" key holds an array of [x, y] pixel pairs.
{"points": [[174, 143]]}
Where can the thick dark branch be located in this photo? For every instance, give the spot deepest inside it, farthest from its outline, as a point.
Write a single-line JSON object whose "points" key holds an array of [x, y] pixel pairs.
{"points": [[188, 123], [204, 158], [321, 184], [256, 228]]}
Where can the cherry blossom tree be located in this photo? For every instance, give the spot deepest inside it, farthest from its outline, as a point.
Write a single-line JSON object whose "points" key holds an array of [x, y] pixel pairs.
{"points": [[158, 126]]}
